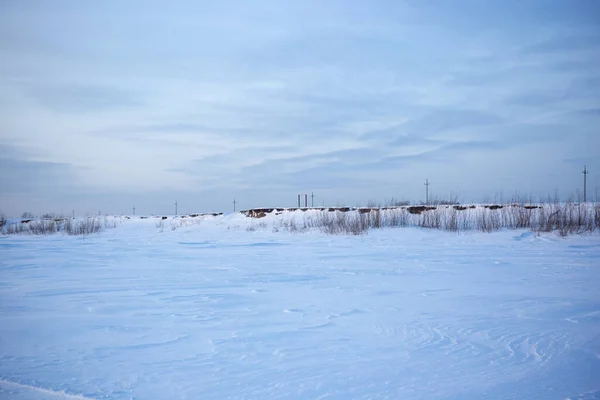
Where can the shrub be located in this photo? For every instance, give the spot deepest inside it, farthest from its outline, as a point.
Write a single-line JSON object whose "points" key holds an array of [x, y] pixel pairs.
{"points": [[444, 202], [549, 215], [15, 229], [83, 226], [350, 223], [254, 227], [42, 227], [451, 223], [487, 220]]}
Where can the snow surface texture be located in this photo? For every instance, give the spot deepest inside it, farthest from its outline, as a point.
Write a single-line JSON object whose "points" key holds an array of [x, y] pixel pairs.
{"points": [[223, 308]]}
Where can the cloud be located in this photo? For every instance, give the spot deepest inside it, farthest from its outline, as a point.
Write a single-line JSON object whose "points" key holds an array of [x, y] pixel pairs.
{"points": [[562, 44], [23, 176], [536, 98], [424, 130], [592, 112], [578, 161], [364, 167], [76, 98], [258, 101]]}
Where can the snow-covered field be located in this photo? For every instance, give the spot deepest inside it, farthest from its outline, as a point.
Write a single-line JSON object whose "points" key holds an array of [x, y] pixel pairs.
{"points": [[227, 309]]}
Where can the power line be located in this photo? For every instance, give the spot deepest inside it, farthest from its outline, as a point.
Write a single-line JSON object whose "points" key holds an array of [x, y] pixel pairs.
{"points": [[585, 172]]}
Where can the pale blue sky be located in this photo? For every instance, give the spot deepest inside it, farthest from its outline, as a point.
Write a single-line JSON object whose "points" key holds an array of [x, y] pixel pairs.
{"points": [[106, 105]]}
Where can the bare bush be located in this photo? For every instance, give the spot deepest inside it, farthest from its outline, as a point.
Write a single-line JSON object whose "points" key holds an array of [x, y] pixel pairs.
{"points": [[345, 223], [42, 227], [15, 229], [397, 203], [517, 216], [487, 220], [84, 226], [451, 223], [431, 219], [444, 202], [549, 215], [292, 226], [255, 227], [70, 226], [111, 223], [396, 217], [375, 218], [565, 218]]}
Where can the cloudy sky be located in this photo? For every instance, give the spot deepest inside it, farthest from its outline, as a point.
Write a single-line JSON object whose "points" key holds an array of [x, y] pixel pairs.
{"points": [[106, 105]]}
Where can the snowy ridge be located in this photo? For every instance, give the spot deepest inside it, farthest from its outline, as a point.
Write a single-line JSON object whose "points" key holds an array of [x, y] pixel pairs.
{"points": [[562, 218], [16, 390]]}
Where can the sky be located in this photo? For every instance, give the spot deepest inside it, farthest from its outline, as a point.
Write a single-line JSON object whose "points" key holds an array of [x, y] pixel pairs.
{"points": [[109, 105]]}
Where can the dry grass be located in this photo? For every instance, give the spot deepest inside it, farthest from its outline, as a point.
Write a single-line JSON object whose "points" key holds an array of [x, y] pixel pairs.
{"points": [[69, 226], [563, 218]]}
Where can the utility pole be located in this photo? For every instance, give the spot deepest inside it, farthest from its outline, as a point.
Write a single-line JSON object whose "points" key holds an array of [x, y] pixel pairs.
{"points": [[234, 202], [585, 172], [73, 214], [312, 199], [427, 191], [133, 210], [175, 207]]}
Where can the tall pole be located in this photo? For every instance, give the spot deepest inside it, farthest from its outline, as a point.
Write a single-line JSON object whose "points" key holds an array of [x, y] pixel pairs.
{"points": [[175, 207], [312, 199], [585, 172], [234, 202], [133, 210], [427, 191], [298, 201], [305, 200], [73, 214]]}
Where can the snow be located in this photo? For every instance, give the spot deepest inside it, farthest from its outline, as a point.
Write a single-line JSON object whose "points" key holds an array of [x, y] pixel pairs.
{"points": [[229, 308]]}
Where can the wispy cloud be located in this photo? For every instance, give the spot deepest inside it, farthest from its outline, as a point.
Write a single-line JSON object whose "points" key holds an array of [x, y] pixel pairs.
{"points": [[33, 178], [562, 44], [74, 98], [262, 100]]}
